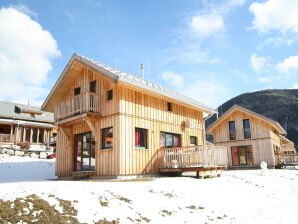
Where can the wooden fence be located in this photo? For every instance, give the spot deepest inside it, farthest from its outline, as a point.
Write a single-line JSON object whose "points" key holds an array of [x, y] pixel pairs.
{"points": [[289, 159], [193, 156], [6, 138], [79, 104]]}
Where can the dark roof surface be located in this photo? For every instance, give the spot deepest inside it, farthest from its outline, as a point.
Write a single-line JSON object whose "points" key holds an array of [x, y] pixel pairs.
{"points": [[13, 110]]}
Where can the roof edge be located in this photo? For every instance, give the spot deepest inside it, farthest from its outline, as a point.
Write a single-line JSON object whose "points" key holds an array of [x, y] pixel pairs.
{"points": [[236, 106]]}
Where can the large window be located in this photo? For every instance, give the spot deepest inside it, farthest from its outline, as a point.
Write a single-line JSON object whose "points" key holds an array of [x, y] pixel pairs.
{"points": [[232, 130], [242, 155], [246, 128], [107, 138], [193, 140], [92, 87], [169, 140], [141, 138]]}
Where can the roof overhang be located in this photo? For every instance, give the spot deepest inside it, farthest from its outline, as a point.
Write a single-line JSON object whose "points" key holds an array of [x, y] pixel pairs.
{"points": [[26, 123]]}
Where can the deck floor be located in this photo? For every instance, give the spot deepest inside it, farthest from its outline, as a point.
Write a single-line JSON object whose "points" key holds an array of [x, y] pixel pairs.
{"points": [[191, 169]]}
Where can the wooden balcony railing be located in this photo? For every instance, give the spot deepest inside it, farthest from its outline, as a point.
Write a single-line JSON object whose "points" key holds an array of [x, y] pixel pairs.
{"points": [[6, 138], [79, 104], [193, 156], [289, 158]]}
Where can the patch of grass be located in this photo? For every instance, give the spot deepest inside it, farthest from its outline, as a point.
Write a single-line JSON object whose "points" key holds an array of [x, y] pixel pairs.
{"points": [[145, 219], [166, 212], [121, 198], [195, 207], [34, 209], [104, 221], [130, 219], [168, 194], [191, 207]]}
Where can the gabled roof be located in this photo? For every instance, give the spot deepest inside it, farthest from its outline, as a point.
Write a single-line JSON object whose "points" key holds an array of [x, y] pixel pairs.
{"points": [[119, 76], [273, 123], [14, 111]]}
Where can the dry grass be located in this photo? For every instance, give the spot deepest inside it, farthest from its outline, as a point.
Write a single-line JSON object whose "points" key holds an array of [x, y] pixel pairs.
{"points": [[33, 209]]}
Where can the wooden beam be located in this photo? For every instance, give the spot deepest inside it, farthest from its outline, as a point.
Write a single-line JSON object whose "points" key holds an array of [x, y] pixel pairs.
{"points": [[66, 132], [92, 128]]}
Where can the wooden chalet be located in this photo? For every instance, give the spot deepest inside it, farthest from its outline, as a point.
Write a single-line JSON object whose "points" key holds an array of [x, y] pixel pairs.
{"points": [[250, 138], [21, 123], [111, 123]]}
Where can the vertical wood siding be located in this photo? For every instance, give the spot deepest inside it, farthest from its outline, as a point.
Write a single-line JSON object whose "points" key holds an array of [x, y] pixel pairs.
{"points": [[140, 110], [262, 137], [129, 109]]}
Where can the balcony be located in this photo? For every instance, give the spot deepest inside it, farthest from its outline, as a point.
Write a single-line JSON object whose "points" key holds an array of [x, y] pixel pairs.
{"points": [[76, 105], [8, 138], [193, 157]]}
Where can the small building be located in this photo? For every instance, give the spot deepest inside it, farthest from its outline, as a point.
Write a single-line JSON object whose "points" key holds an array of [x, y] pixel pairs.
{"points": [[28, 124], [250, 138], [112, 123]]}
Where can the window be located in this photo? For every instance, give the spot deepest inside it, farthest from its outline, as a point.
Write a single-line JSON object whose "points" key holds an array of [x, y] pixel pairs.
{"points": [[77, 91], [232, 130], [169, 106], [169, 140], [141, 138], [92, 87], [242, 155], [110, 94], [41, 136], [193, 140], [107, 138], [246, 128], [28, 134], [34, 135]]}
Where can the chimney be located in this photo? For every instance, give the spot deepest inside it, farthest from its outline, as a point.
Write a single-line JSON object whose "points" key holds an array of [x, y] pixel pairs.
{"points": [[142, 71]]}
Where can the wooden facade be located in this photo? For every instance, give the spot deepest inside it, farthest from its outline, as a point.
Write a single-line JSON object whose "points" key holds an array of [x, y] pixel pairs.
{"points": [[24, 124], [25, 134], [265, 143], [122, 106]]}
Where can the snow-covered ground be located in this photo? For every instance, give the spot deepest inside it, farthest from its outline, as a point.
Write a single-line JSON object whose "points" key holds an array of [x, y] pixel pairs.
{"points": [[244, 196]]}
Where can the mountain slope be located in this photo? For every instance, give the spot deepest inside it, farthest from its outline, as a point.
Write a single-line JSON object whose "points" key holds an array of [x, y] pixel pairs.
{"points": [[279, 105]]}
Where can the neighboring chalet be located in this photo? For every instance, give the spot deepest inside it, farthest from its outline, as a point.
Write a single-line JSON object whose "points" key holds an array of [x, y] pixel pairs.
{"points": [[21, 123], [112, 123], [250, 138]]}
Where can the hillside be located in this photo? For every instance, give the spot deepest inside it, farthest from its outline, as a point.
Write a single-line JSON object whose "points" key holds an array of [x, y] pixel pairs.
{"points": [[279, 105]]}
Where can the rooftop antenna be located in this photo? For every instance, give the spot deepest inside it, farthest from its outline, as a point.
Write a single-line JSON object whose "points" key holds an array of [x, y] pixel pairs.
{"points": [[142, 71]]}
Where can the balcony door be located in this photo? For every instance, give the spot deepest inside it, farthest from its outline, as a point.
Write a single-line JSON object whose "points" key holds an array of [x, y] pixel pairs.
{"points": [[84, 152]]}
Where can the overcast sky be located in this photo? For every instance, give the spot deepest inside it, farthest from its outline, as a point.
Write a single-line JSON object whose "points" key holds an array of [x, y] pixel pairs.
{"points": [[209, 50]]}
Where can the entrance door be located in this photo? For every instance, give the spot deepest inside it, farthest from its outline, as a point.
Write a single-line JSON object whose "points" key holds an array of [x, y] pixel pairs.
{"points": [[242, 155], [84, 153]]}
